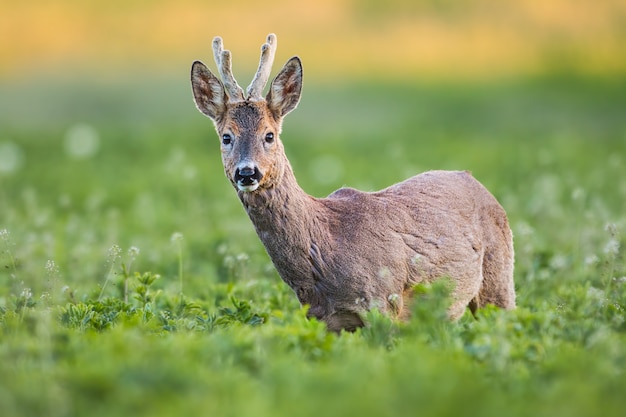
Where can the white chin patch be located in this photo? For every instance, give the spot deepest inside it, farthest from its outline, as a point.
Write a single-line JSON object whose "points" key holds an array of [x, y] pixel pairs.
{"points": [[248, 188]]}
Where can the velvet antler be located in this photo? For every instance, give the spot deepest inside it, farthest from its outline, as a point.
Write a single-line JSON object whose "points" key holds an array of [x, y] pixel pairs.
{"points": [[224, 66], [268, 49]]}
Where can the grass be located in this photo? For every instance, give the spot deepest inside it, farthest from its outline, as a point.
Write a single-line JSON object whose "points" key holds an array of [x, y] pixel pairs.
{"points": [[132, 281]]}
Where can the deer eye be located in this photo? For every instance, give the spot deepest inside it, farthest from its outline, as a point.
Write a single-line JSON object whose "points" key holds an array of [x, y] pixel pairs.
{"points": [[227, 139], [269, 138]]}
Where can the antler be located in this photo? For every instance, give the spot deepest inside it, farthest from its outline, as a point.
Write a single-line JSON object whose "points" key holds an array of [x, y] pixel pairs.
{"points": [[268, 49], [224, 66]]}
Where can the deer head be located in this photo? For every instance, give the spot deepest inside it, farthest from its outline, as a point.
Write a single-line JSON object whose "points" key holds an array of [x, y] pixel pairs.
{"points": [[249, 127]]}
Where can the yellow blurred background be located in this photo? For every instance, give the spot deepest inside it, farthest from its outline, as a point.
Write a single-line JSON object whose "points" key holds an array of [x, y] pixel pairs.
{"points": [[336, 39]]}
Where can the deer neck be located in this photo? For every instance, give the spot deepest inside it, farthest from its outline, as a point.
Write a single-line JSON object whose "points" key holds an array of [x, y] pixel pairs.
{"points": [[290, 223], [283, 211]]}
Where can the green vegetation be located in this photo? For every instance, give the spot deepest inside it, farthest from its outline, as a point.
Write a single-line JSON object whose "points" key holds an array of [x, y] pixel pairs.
{"points": [[132, 282]]}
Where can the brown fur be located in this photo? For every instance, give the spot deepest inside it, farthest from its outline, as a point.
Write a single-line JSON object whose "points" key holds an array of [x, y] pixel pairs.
{"points": [[354, 250]]}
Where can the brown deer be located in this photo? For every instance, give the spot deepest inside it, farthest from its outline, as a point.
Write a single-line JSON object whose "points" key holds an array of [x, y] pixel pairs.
{"points": [[352, 250]]}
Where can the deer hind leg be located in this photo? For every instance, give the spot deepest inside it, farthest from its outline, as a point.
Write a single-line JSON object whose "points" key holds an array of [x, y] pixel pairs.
{"points": [[468, 297], [343, 320], [474, 304], [497, 287]]}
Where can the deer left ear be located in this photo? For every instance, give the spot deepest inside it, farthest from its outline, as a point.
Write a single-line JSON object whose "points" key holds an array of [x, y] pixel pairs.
{"points": [[284, 93]]}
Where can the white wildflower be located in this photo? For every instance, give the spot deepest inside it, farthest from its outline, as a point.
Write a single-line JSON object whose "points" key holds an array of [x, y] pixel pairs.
{"points": [[596, 294], [558, 261], [81, 141], [11, 157], [177, 237], [611, 228], [524, 229], [27, 293], [114, 253], [395, 302], [612, 247], [51, 267], [578, 194], [133, 252], [222, 249], [591, 260], [229, 261]]}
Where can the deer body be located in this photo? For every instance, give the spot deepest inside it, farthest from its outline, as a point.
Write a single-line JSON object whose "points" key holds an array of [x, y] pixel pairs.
{"points": [[353, 250]]}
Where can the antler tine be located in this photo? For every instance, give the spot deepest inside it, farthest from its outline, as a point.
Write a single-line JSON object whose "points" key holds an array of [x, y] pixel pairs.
{"points": [[224, 66], [268, 49]]}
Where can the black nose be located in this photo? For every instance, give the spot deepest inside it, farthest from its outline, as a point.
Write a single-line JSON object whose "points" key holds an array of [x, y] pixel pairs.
{"points": [[246, 172], [247, 175]]}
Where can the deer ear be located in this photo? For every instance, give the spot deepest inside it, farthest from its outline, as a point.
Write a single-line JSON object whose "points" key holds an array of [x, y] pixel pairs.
{"points": [[208, 91], [285, 90]]}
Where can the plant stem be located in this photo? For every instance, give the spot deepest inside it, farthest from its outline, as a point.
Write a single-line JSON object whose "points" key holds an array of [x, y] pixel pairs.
{"points": [[180, 267], [106, 281]]}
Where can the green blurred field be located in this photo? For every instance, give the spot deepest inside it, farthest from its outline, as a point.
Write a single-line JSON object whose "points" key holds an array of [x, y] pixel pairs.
{"points": [[132, 282], [86, 167]]}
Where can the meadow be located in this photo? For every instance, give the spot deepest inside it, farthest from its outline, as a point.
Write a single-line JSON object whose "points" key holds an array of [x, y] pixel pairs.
{"points": [[132, 282]]}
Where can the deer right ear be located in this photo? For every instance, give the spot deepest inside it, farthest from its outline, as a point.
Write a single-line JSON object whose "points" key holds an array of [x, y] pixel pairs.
{"points": [[285, 90], [208, 91]]}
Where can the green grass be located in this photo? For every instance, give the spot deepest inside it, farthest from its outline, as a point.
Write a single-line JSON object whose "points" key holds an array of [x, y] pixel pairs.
{"points": [[132, 282]]}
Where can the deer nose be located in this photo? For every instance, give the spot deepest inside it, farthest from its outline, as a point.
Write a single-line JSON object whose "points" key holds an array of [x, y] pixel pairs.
{"points": [[247, 177], [245, 171]]}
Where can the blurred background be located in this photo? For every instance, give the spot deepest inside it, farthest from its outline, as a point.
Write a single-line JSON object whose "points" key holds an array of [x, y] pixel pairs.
{"points": [[337, 39], [101, 144], [49, 46]]}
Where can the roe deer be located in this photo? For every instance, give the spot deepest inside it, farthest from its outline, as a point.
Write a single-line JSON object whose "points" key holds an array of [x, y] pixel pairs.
{"points": [[352, 250]]}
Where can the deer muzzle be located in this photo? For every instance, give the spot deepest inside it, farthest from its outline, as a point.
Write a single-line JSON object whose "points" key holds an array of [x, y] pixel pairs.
{"points": [[247, 177]]}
